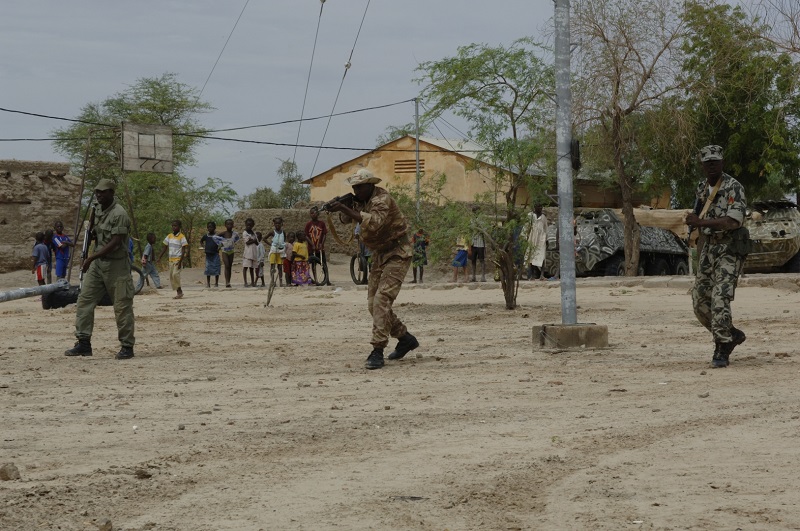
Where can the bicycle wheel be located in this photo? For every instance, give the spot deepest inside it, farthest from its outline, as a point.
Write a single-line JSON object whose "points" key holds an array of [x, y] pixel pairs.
{"points": [[358, 269], [138, 279], [319, 274]]}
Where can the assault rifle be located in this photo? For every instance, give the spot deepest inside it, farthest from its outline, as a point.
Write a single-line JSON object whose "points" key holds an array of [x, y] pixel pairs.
{"points": [[88, 236], [346, 199]]}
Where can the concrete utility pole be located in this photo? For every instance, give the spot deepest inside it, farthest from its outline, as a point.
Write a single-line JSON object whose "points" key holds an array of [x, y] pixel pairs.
{"points": [[569, 333], [566, 239], [416, 130]]}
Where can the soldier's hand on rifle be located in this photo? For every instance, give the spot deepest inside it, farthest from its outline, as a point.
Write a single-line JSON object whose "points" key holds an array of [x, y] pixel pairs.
{"points": [[86, 263], [692, 219]]}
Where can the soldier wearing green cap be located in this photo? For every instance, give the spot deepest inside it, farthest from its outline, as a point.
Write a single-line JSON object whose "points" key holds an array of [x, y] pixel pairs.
{"points": [[725, 244], [106, 271]]}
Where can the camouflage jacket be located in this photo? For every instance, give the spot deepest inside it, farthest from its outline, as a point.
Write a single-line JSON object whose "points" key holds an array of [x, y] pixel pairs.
{"points": [[383, 226], [109, 222], [729, 202]]}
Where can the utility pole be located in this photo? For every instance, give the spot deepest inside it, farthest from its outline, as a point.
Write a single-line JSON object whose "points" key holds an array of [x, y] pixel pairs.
{"points": [[416, 126], [566, 238], [569, 334]]}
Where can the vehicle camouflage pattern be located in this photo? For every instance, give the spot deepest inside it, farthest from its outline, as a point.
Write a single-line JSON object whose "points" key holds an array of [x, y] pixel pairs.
{"points": [[775, 230], [600, 250]]}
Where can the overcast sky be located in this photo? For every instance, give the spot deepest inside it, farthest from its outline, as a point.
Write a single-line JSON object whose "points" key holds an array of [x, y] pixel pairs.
{"points": [[56, 56]]}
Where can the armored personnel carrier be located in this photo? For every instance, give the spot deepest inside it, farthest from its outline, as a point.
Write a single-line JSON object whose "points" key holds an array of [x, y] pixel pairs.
{"points": [[599, 247], [775, 230]]}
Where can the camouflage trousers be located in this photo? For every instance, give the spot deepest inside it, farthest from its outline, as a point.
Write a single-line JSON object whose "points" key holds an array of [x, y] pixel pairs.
{"points": [[112, 277], [385, 279], [714, 288]]}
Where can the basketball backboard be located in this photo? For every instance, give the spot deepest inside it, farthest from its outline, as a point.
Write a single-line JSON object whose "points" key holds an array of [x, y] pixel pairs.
{"points": [[146, 148]]}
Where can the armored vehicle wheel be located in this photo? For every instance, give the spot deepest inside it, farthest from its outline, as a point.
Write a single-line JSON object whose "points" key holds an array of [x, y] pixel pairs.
{"points": [[793, 265], [682, 268], [659, 268], [615, 266]]}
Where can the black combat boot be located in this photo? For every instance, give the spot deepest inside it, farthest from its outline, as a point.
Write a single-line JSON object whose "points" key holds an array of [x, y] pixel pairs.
{"points": [[737, 336], [717, 361], [405, 344], [375, 359], [82, 348], [125, 353], [721, 355]]}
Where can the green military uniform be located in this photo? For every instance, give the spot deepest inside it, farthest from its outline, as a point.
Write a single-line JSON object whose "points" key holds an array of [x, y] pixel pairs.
{"points": [[108, 274], [720, 260], [384, 231]]}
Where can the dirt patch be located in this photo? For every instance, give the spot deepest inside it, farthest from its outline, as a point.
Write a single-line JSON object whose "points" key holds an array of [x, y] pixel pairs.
{"points": [[237, 416]]}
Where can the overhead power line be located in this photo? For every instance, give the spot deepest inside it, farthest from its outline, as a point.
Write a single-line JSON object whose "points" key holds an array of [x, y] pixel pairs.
{"points": [[194, 132], [308, 79], [310, 119], [341, 83], [56, 117], [223, 48]]}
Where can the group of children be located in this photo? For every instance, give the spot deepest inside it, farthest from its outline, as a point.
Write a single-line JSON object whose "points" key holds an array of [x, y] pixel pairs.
{"points": [[287, 257], [288, 254], [48, 243]]}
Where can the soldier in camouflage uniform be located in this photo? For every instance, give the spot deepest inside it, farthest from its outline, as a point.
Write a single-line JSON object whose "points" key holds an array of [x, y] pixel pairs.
{"points": [[722, 253], [384, 231], [106, 271]]}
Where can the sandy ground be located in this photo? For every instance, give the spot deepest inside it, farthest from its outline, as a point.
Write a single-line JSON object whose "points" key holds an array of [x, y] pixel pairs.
{"points": [[237, 416]]}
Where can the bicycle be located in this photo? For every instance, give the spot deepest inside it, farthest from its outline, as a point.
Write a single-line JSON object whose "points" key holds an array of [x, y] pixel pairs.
{"points": [[359, 266]]}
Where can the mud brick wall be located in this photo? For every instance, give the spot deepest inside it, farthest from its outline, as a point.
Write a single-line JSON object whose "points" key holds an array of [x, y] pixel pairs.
{"points": [[33, 195]]}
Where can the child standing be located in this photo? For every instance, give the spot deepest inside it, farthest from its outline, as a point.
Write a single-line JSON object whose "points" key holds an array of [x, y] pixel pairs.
{"points": [[300, 275], [211, 243], [149, 261], [277, 250], [40, 258], [461, 259], [176, 244], [260, 257], [250, 255], [419, 259], [61, 244], [287, 259], [229, 239]]}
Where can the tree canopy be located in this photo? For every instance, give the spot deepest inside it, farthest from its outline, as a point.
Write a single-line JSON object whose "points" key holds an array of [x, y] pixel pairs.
{"points": [[153, 199], [506, 95]]}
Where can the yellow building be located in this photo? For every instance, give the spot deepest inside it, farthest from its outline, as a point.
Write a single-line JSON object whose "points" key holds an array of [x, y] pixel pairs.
{"points": [[395, 163], [467, 177]]}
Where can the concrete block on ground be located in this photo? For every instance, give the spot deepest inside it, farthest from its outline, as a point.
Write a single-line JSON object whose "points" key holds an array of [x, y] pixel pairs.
{"points": [[588, 335]]}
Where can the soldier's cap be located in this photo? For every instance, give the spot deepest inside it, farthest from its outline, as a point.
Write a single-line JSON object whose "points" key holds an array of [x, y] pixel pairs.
{"points": [[362, 176], [710, 153], [105, 184]]}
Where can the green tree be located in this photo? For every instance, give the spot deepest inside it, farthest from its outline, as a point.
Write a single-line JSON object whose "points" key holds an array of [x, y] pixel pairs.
{"points": [[291, 192], [626, 67], [745, 97], [94, 142], [261, 198], [505, 94]]}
